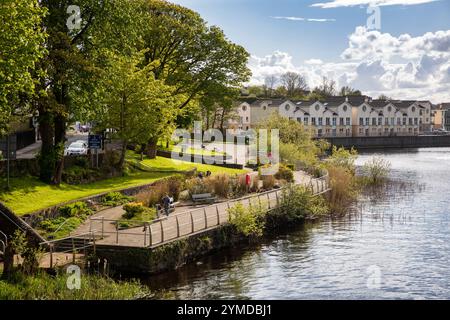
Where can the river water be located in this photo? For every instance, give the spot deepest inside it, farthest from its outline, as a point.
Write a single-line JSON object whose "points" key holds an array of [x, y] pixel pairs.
{"points": [[396, 245]]}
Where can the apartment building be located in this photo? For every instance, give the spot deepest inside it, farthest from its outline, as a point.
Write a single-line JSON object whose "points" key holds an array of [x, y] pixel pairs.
{"points": [[353, 116]]}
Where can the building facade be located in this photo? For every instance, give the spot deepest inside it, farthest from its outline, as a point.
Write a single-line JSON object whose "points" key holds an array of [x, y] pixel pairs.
{"points": [[356, 116]]}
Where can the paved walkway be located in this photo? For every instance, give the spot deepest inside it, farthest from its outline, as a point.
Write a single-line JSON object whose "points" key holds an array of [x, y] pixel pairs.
{"points": [[184, 221]]}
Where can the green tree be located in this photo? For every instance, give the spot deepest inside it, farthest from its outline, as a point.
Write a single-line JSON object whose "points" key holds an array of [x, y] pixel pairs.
{"points": [[135, 105], [349, 91], [21, 47]]}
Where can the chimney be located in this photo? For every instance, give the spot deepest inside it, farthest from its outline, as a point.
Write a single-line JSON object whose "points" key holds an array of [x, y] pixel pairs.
{"points": [[346, 99]]}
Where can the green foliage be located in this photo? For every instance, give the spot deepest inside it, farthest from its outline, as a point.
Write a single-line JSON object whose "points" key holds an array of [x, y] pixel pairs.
{"points": [[30, 255], [376, 170], [41, 286], [344, 189], [114, 199], [341, 157], [80, 175], [285, 173], [248, 220], [21, 38], [77, 209], [60, 227], [136, 215], [298, 203]]}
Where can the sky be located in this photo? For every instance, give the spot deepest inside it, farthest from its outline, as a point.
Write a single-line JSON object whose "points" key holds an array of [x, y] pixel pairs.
{"points": [[400, 48]]}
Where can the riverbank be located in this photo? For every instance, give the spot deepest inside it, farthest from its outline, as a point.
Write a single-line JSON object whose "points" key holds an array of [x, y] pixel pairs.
{"points": [[42, 286]]}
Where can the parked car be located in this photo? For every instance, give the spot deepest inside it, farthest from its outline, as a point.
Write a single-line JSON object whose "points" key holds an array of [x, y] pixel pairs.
{"points": [[77, 148]]}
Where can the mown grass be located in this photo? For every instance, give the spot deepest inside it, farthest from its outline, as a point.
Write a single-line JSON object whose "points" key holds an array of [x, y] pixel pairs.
{"points": [[28, 194], [190, 150], [166, 164], [45, 287]]}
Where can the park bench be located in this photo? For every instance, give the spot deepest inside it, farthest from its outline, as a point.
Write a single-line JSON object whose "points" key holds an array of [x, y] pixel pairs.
{"points": [[203, 198]]}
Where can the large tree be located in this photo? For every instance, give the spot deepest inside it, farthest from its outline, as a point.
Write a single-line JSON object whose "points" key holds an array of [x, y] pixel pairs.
{"points": [[21, 39], [196, 59], [294, 83], [133, 104]]}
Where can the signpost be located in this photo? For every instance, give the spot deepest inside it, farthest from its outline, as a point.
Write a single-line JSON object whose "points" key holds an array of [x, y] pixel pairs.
{"points": [[95, 143]]}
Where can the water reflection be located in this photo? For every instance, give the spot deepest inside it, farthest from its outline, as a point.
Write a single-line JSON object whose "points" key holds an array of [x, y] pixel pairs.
{"points": [[402, 229]]}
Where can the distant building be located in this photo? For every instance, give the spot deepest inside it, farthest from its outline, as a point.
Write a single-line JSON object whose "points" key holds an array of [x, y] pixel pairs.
{"points": [[352, 116]]}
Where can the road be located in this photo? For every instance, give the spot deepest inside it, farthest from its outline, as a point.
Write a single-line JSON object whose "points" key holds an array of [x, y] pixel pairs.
{"points": [[32, 150]]}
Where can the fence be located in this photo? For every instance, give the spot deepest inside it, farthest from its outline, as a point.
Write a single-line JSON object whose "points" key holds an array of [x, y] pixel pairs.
{"points": [[183, 224]]}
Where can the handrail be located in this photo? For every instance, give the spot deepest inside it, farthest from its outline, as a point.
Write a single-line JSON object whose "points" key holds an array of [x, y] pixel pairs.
{"points": [[4, 236], [3, 245], [67, 238]]}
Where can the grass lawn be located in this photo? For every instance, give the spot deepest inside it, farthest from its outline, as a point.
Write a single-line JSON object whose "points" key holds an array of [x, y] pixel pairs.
{"points": [[28, 194], [190, 150], [166, 164]]}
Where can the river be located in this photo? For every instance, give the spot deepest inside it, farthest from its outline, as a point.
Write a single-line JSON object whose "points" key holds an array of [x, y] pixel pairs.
{"points": [[395, 245]]}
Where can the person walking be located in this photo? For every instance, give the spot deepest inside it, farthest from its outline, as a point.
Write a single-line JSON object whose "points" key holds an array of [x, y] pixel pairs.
{"points": [[166, 204]]}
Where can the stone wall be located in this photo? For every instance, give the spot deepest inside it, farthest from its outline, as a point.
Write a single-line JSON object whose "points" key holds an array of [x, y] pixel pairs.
{"points": [[391, 142]]}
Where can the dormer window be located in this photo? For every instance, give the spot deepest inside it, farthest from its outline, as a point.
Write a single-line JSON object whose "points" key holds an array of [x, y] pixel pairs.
{"points": [[389, 108], [244, 108], [413, 109], [287, 107], [317, 107], [345, 107], [264, 107], [364, 108]]}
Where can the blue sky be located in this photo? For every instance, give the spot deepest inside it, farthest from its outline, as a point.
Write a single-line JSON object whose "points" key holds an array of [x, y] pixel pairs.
{"points": [[279, 29]]}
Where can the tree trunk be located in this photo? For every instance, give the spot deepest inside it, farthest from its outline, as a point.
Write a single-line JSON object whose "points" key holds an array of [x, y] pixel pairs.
{"points": [[60, 140], [122, 155], [8, 263], [151, 148], [46, 159]]}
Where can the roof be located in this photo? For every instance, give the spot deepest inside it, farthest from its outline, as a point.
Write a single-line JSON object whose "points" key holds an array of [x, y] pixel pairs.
{"points": [[403, 104]]}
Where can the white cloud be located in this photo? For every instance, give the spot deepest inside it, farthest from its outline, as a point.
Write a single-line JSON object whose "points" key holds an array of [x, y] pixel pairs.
{"points": [[351, 3], [303, 19], [402, 67]]}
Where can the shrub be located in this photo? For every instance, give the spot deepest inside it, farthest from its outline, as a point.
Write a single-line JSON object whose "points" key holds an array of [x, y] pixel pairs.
{"points": [[341, 157], [197, 186], [77, 209], [114, 199], [248, 221], [238, 187], [284, 173], [268, 182], [133, 209], [219, 183], [80, 175], [298, 203], [376, 170], [343, 189]]}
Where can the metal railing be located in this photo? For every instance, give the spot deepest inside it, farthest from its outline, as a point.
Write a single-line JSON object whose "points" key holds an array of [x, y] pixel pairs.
{"points": [[164, 230], [72, 244]]}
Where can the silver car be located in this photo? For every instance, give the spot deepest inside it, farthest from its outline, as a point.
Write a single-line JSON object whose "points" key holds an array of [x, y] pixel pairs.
{"points": [[77, 148]]}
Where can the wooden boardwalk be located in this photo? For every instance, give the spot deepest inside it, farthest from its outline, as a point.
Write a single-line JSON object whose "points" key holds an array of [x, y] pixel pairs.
{"points": [[179, 225]]}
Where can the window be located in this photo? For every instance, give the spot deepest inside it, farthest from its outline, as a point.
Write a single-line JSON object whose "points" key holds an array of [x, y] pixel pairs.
{"points": [[347, 121], [334, 122], [305, 120], [317, 107], [299, 120], [413, 109], [341, 121], [386, 121], [327, 121], [333, 133], [320, 121], [313, 121], [399, 121], [389, 109], [244, 108], [392, 121], [360, 130], [319, 132], [364, 108], [367, 121], [347, 132], [344, 108], [341, 130], [374, 121], [241, 120], [361, 121], [410, 121], [380, 121], [404, 121], [246, 119], [287, 107], [416, 121], [264, 107]]}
